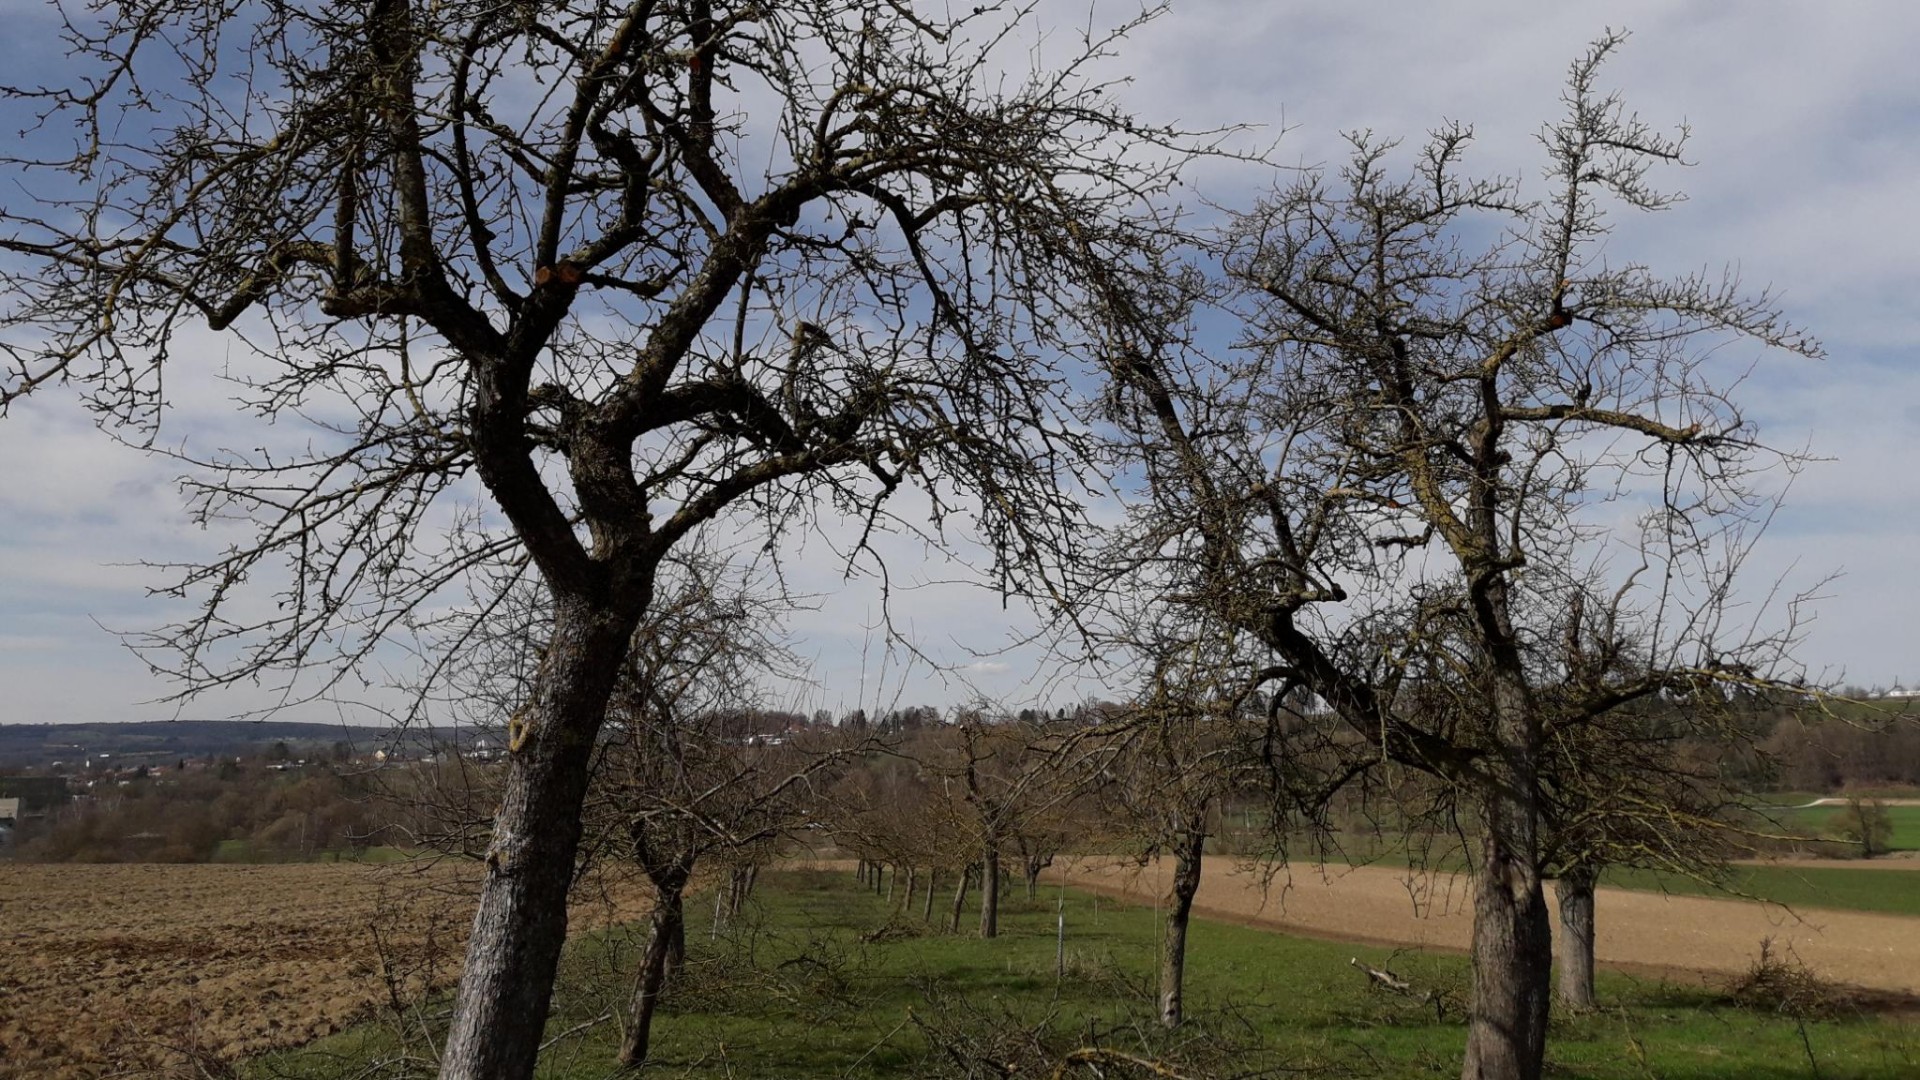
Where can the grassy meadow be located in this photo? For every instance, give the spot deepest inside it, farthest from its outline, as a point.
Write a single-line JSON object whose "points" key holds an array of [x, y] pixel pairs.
{"points": [[822, 980], [1824, 821], [1894, 892]]}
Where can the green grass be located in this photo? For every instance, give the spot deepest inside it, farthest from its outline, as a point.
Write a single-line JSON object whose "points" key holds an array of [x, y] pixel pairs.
{"points": [[798, 994], [1893, 891], [1825, 821], [1906, 827]]}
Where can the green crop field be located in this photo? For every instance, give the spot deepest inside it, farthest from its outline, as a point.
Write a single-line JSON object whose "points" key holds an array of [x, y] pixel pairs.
{"points": [[811, 986], [1893, 891], [1825, 821]]}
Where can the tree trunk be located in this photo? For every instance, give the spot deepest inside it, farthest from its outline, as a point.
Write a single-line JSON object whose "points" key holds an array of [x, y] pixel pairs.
{"points": [[1512, 936], [1575, 893], [959, 900], [1032, 866], [677, 939], [933, 882], [520, 925], [1189, 851], [650, 980], [990, 893], [892, 880], [1512, 960], [913, 875]]}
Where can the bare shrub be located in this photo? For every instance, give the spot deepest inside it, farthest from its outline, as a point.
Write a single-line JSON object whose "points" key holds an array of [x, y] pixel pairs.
{"points": [[1782, 983]]}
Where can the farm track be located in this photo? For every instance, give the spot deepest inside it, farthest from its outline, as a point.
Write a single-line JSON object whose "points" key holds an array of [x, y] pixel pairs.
{"points": [[1638, 930], [142, 970]]}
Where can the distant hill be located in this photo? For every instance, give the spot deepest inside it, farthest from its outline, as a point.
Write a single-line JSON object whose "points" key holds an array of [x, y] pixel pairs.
{"points": [[40, 745]]}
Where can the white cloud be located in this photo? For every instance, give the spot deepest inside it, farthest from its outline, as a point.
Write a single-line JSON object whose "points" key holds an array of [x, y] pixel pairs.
{"points": [[1806, 121]]}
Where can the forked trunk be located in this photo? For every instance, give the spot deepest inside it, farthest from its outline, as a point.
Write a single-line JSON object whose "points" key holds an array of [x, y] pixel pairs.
{"points": [[1574, 890], [501, 1006], [1032, 865], [650, 980], [990, 893], [1188, 852]]}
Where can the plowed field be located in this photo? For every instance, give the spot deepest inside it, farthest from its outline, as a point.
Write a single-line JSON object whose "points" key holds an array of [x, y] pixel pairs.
{"points": [[139, 970]]}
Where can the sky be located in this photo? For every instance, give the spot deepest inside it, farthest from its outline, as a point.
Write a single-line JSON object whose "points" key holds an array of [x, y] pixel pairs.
{"points": [[1805, 145]]}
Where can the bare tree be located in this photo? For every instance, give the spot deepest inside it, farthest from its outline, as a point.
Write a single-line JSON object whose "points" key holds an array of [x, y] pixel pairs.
{"points": [[679, 782], [1004, 775], [1161, 768], [676, 796], [1174, 767], [1651, 783], [1390, 478], [627, 267]]}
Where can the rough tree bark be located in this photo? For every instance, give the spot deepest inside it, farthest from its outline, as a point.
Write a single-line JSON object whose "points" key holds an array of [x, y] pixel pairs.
{"points": [[655, 965], [1188, 854], [521, 922], [1512, 954], [1512, 935], [1574, 889]]}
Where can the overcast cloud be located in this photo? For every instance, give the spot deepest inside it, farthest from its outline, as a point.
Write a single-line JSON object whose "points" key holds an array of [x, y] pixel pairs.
{"points": [[1806, 138]]}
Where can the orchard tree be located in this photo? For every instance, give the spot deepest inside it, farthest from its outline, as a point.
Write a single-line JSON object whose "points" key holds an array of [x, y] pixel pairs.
{"points": [[672, 793], [1440, 386], [577, 278], [1655, 782], [1175, 760]]}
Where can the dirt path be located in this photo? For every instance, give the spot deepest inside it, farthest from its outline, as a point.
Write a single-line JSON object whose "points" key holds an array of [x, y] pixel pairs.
{"points": [[1637, 929]]}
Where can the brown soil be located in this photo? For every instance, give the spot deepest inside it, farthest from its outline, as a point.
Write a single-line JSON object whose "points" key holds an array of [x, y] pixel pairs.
{"points": [[149, 970], [1640, 930]]}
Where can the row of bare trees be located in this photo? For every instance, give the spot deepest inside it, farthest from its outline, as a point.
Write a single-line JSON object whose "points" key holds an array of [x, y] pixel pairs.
{"points": [[551, 295]]}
